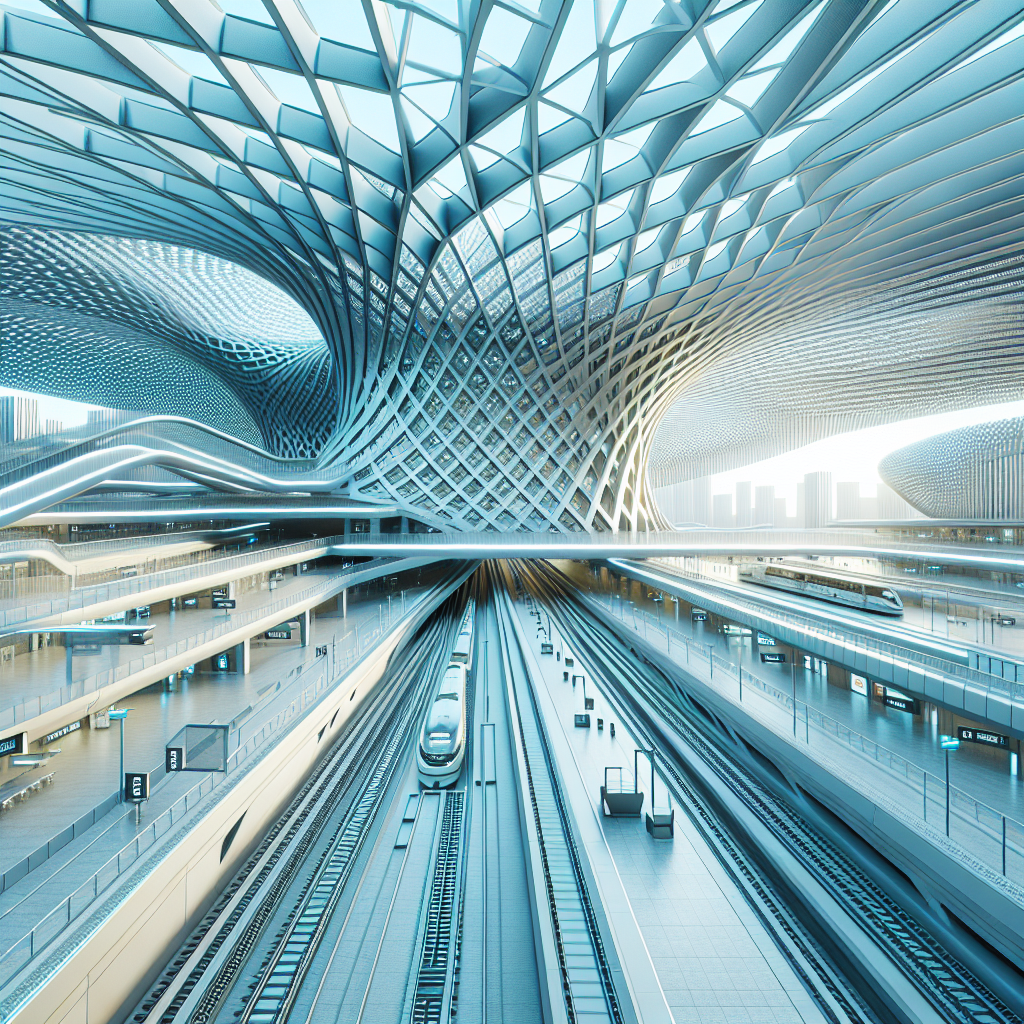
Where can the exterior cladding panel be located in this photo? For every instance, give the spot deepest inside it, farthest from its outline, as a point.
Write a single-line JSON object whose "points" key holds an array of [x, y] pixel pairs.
{"points": [[971, 473]]}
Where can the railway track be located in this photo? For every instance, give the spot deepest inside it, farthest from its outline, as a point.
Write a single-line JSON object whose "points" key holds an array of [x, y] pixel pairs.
{"points": [[580, 947], [949, 987], [347, 788]]}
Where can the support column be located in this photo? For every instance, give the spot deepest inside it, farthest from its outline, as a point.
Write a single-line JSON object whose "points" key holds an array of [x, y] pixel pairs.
{"points": [[304, 624], [242, 656], [405, 524], [343, 603]]}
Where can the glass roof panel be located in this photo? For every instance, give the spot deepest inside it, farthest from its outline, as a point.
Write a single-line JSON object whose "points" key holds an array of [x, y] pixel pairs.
{"points": [[372, 113]]}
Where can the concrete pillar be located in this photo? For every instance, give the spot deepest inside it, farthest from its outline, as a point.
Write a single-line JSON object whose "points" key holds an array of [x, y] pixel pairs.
{"points": [[343, 603], [405, 524], [242, 656], [304, 624], [347, 531]]}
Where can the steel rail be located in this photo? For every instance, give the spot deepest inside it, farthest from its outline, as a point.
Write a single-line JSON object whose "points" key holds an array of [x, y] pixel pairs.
{"points": [[225, 938], [560, 855], [935, 972]]}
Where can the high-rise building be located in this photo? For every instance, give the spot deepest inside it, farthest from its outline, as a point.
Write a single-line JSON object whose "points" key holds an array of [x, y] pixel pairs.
{"points": [[764, 506], [848, 501], [721, 512], [817, 499], [743, 508], [19, 418]]}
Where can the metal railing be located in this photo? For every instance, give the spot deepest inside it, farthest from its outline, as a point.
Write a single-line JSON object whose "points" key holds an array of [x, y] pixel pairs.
{"points": [[881, 650], [29, 709], [206, 563], [15, 956], [996, 839]]}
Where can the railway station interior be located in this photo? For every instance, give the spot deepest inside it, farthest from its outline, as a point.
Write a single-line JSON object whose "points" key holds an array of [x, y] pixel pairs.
{"points": [[511, 511]]}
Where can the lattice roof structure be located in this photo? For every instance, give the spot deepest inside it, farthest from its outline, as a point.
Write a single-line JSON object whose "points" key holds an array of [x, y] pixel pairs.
{"points": [[511, 237]]}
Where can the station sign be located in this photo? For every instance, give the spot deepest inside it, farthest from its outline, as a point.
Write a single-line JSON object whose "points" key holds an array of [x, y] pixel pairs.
{"points": [[220, 663], [281, 633], [546, 648], [16, 744], [58, 733], [764, 640], [949, 742], [174, 759], [1006, 620], [136, 785], [86, 650], [983, 736], [776, 657], [730, 630], [223, 602], [900, 702], [698, 615], [190, 602], [321, 652], [858, 684], [219, 592]]}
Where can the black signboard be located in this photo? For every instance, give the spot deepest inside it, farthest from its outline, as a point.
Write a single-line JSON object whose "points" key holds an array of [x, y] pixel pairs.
{"points": [[1006, 620], [219, 592], [278, 634], [901, 703], [321, 652], [546, 648], [136, 785], [581, 721], [775, 656], [13, 744], [57, 733], [190, 602], [174, 759], [983, 736], [699, 616], [223, 602]]}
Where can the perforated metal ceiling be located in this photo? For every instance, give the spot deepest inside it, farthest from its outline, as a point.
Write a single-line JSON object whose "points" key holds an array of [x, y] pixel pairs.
{"points": [[524, 230]]}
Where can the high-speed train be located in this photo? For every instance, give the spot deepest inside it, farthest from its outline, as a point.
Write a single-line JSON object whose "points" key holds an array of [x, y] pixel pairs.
{"points": [[443, 739], [850, 590], [463, 651]]}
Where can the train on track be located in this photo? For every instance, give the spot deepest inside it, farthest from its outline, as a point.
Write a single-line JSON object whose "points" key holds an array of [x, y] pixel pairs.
{"points": [[442, 745], [849, 590]]}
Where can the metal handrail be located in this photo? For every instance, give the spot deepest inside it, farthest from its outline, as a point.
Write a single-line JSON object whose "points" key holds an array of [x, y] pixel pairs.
{"points": [[26, 710], [881, 649], [994, 824], [71, 906]]}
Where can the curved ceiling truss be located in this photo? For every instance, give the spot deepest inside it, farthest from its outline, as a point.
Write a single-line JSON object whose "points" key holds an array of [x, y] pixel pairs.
{"points": [[524, 231]]}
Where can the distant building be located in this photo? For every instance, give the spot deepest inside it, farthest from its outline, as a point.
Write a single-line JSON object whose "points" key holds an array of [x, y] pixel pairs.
{"points": [[973, 472], [721, 512], [817, 499], [848, 501], [764, 506], [743, 508], [19, 418]]}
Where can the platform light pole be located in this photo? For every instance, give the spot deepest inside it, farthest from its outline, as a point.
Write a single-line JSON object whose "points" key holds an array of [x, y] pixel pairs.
{"points": [[120, 714], [948, 743]]}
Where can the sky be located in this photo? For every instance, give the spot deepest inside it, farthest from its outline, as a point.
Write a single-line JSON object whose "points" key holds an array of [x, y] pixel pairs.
{"points": [[854, 456]]}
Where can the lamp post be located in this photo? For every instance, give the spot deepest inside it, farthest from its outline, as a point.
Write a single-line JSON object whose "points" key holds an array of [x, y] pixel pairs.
{"points": [[948, 743], [120, 714]]}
